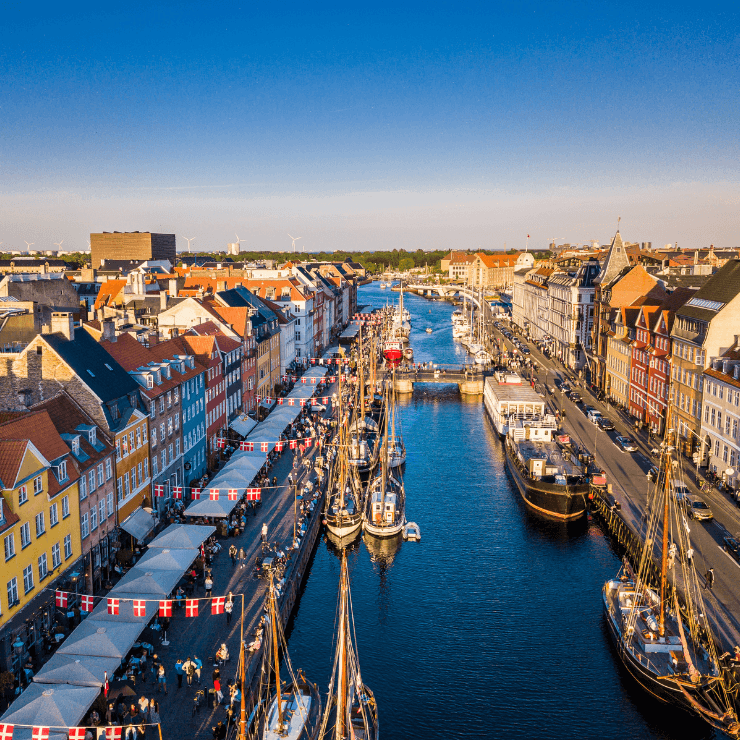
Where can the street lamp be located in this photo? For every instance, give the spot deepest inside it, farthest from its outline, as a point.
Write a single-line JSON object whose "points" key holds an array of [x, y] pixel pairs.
{"points": [[18, 648]]}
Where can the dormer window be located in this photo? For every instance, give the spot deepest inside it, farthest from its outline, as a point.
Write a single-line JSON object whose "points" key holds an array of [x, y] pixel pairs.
{"points": [[92, 436], [60, 471], [150, 381], [76, 446]]}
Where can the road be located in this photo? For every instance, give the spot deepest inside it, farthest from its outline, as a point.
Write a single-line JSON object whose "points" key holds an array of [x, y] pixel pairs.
{"points": [[627, 473]]}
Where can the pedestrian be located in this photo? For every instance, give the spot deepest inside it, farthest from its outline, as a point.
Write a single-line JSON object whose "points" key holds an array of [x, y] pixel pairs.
{"points": [[208, 585], [709, 578], [180, 671], [242, 557], [154, 718], [689, 555], [264, 532], [143, 704], [216, 674], [218, 696], [189, 668], [232, 554], [229, 608], [198, 666], [219, 731], [143, 667], [132, 720], [162, 679]]}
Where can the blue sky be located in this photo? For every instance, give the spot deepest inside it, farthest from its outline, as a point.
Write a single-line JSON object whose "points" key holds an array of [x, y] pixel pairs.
{"points": [[398, 125]]}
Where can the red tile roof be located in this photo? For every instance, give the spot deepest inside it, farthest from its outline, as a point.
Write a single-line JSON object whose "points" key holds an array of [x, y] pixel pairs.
{"points": [[11, 457]]}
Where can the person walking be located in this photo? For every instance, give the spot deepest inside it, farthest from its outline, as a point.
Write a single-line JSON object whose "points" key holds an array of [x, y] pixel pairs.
{"points": [[153, 719], [232, 554], [162, 679], [180, 671], [198, 666], [264, 532], [709, 578], [229, 608], [218, 697], [208, 585], [242, 557], [143, 667]]}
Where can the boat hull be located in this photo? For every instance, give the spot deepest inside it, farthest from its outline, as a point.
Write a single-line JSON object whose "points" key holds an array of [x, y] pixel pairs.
{"points": [[550, 499], [390, 530], [344, 526]]}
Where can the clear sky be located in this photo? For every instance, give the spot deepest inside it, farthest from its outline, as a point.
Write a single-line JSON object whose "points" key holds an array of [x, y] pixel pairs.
{"points": [[373, 126]]}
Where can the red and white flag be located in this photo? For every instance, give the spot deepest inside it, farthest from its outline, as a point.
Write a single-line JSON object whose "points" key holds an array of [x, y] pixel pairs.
{"points": [[61, 597], [303, 402], [313, 380], [253, 494], [195, 494], [220, 443], [87, 603], [309, 441], [191, 607], [280, 401], [76, 733], [113, 733], [217, 605], [247, 446], [291, 402], [139, 608], [279, 446], [265, 446], [313, 360], [233, 495], [113, 605], [40, 733], [213, 494], [165, 608], [303, 380], [177, 492], [6, 732], [159, 490], [292, 444]]}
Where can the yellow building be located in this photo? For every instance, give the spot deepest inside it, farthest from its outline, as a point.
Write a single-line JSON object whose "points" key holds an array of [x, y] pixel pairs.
{"points": [[39, 526]]}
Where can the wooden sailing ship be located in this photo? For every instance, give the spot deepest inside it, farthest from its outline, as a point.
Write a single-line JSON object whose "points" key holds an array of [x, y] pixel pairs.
{"points": [[661, 636], [351, 712]]}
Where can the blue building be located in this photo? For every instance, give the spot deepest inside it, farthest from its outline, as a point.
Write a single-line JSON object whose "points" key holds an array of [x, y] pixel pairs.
{"points": [[194, 426]]}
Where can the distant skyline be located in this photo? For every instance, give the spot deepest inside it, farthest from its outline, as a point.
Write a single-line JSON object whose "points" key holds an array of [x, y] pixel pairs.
{"points": [[433, 126]]}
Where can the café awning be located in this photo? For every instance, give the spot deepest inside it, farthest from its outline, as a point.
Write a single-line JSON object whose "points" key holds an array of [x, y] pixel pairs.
{"points": [[139, 523]]}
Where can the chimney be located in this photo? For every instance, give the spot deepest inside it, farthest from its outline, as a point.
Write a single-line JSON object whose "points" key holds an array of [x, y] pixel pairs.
{"points": [[221, 286], [109, 330], [62, 322], [153, 338], [162, 300], [172, 289]]}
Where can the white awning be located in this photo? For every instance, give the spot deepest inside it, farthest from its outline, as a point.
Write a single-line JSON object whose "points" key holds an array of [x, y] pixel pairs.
{"points": [[167, 559], [182, 536], [243, 425], [101, 639], [139, 523], [79, 670]]}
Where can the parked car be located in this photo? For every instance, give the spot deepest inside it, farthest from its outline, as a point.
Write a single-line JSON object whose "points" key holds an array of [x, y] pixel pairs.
{"points": [[732, 546], [698, 509], [594, 415], [653, 473], [605, 424], [524, 349], [575, 396], [680, 492], [626, 444]]}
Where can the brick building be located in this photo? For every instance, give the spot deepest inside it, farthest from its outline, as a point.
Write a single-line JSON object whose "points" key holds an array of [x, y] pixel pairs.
{"points": [[132, 245]]}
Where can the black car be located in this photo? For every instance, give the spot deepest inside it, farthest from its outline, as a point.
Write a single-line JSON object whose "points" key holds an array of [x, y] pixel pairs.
{"points": [[605, 424], [732, 546], [575, 396]]}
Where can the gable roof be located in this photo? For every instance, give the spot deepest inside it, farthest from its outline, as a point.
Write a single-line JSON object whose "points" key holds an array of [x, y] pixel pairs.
{"points": [[12, 452], [720, 289], [616, 260], [109, 291]]}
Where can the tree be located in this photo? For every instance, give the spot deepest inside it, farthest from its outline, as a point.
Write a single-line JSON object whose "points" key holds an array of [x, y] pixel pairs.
{"points": [[405, 264]]}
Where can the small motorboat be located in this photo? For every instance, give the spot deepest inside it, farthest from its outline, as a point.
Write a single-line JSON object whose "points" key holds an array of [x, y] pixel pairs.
{"points": [[408, 354], [429, 329], [412, 532]]}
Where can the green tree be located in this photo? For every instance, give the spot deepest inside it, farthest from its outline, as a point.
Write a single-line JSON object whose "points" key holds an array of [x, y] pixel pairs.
{"points": [[406, 264]]}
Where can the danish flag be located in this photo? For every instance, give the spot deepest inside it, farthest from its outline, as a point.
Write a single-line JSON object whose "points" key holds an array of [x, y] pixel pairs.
{"points": [[113, 733], [280, 401], [292, 444], [87, 604], [248, 446], [232, 494], [191, 607], [61, 599], [113, 605], [313, 360], [291, 402], [220, 443], [217, 605], [309, 441], [322, 380], [6, 732], [279, 446], [213, 492], [159, 490], [139, 608], [313, 380], [40, 733], [265, 446], [195, 494], [177, 492], [76, 733], [165, 608], [253, 494], [303, 402]]}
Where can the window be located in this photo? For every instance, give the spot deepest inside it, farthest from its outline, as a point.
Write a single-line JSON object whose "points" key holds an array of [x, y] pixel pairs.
{"points": [[141, 479], [161, 431], [131, 438], [85, 525], [13, 591], [161, 404], [28, 578], [53, 515], [143, 433], [177, 421], [126, 484], [40, 526], [152, 410], [146, 468], [133, 478], [43, 567], [56, 557], [67, 546], [92, 436], [155, 466], [93, 518], [176, 395], [109, 468], [118, 449], [177, 448], [91, 476], [169, 426], [169, 399], [83, 487], [65, 507], [9, 546], [38, 485], [101, 510], [22, 495], [138, 437], [119, 488], [25, 535], [164, 459], [61, 471], [154, 436], [110, 504], [101, 475], [172, 457]]}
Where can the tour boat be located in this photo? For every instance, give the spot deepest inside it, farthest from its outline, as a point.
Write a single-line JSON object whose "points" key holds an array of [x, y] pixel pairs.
{"points": [[483, 357], [393, 351], [662, 637], [351, 711], [383, 286], [294, 708], [408, 353], [429, 330]]}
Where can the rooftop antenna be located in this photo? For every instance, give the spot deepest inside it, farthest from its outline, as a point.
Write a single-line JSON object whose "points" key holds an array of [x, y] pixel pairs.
{"points": [[526, 249], [29, 245], [295, 239], [619, 218], [58, 244], [192, 239]]}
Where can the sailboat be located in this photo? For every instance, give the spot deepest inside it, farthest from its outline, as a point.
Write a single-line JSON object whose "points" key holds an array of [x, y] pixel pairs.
{"points": [[666, 645], [351, 712], [294, 709], [385, 507], [396, 447]]}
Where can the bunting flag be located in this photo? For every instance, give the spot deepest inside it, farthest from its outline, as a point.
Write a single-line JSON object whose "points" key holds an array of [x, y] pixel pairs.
{"points": [[280, 401], [40, 733], [159, 490], [113, 733], [195, 494], [303, 402], [61, 599], [253, 494], [87, 603], [247, 446], [259, 398], [113, 605], [165, 608], [76, 733], [191, 607], [279, 446], [220, 443], [264, 446], [309, 442], [291, 402], [177, 492], [232, 494], [213, 494], [292, 444], [139, 608], [313, 360], [303, 380], [6, 732], [217, 605]]}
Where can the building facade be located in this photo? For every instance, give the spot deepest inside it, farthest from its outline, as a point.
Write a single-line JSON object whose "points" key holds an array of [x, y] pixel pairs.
{"points": [[133, 245]]}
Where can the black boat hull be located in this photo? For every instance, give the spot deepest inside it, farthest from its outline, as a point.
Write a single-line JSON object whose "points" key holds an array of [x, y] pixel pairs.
{"points": [[562, 502]]}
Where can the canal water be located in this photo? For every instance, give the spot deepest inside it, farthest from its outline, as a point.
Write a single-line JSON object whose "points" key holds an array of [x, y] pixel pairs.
{"points": [[491, 626]]}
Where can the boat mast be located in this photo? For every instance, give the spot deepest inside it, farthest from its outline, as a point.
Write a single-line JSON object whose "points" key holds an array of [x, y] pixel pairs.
{"points": [[342, 641], [384, 452], [664, 554], [273, 619], [362, 379]]}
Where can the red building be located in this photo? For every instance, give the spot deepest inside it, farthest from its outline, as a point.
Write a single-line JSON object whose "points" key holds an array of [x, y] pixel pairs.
{"points": [[640, 362]]}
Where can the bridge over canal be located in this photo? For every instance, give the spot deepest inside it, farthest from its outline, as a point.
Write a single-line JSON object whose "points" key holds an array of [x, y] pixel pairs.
{"points": [[470, 383]]}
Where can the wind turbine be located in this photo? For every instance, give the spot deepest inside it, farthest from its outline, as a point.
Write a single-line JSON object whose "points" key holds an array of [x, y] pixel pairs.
{"points": [[192, 239], [239, 241], [58, 244], [295, 239], [29, 245]]}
